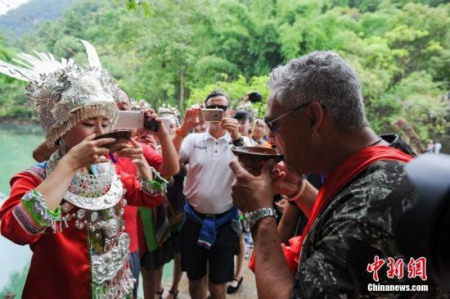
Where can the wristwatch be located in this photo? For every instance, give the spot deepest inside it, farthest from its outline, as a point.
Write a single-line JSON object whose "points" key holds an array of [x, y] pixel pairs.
{"points": [[251, 218], [239, 141]]}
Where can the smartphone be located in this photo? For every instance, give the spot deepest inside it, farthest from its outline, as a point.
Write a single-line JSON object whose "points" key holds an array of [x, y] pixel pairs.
{"points": [[130, 120], [211, 115], [166, 122], [135, 119]]}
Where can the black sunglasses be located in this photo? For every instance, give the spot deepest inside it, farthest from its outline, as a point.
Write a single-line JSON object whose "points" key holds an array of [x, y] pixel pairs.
{"points": [[223, 107], [272, 123]]}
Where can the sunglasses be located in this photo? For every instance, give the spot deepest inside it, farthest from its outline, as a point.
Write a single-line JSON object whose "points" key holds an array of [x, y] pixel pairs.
{"points": [[223, 107], [272, 123]]}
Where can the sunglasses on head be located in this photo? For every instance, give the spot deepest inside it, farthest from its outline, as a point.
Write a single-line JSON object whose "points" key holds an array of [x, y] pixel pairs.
{"points": [[223, 107]]}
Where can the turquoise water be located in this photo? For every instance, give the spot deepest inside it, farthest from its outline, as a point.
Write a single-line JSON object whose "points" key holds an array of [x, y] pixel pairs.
{"points": [[16, 146]]}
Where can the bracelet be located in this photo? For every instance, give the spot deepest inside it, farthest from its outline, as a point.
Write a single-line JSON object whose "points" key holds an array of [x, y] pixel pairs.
{"points": [[298, 193], [180, 132], [157, 185], [34, 202]]}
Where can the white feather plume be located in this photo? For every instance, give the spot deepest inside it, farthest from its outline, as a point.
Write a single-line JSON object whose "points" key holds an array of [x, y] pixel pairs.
{"points": [[30, 68], [94, 60]]}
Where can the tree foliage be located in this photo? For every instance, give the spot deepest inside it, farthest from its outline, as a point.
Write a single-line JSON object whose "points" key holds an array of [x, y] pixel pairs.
{"points": [[177, 51]]}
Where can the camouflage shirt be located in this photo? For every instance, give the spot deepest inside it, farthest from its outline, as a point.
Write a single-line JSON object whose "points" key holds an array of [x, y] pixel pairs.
{"points": [[357, 224]]}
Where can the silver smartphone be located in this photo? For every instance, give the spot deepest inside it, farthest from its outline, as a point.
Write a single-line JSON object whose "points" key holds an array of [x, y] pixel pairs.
{"points": [[211, 115], [135, 120], [130, 120]]}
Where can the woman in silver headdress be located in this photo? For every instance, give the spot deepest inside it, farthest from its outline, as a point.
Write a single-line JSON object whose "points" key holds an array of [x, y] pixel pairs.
{"points": [[69, 208]]}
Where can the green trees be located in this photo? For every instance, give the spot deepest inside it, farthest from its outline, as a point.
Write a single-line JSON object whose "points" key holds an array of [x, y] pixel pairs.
{"points": [[176, 51]]}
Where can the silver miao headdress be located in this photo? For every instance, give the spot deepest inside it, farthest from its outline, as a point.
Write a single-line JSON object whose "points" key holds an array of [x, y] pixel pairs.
{"points": [[138, 105], [63, 93], [247, 106], [167, 111]]}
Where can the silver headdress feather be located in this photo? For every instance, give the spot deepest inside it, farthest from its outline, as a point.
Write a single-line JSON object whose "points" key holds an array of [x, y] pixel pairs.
{"points": [[92, 55], [63, 93]]}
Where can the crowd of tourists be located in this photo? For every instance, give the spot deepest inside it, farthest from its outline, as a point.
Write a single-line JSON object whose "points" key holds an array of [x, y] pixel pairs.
{"points": [[98, 217]]}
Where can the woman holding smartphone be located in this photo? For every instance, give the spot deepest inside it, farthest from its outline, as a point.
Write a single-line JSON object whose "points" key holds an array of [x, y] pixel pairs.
{"points": [[69, 209]]}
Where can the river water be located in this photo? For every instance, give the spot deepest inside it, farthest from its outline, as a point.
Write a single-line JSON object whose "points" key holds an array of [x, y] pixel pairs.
{"points": [[16, 147]]}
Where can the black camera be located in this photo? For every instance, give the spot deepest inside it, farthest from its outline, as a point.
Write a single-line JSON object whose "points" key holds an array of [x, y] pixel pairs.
{"points": [[151, 124], [254, 97]]}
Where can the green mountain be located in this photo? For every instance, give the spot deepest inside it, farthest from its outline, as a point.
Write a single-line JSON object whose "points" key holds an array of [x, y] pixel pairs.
{"points": [[176, 51], [27, 17]]}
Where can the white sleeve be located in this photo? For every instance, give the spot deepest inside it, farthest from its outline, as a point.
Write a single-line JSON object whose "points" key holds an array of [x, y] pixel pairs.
{"points": [[186, 147]]}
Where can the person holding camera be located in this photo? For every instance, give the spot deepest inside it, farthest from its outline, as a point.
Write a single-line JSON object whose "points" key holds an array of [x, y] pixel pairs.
{"points": [[138, 224], [209, 236]]}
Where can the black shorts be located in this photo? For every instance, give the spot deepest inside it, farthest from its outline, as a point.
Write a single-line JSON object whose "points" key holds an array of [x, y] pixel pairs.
{"points": [[220, 256]]}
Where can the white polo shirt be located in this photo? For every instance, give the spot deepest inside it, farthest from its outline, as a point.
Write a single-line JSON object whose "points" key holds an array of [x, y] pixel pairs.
{"points": [[209, 177]]}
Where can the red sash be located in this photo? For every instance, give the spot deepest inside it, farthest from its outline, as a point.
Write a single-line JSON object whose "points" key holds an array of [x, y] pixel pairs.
{"points": [[338, 179]]}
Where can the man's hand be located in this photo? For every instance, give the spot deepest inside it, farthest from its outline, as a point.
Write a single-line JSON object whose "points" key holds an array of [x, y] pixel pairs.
{"points": [[249, 192], [191, 119], [285, 181], [232, 126]]}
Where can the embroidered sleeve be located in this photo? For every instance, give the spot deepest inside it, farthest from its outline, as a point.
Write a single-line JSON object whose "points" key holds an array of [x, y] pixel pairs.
{"points": [[156, 186], [33, 214]]}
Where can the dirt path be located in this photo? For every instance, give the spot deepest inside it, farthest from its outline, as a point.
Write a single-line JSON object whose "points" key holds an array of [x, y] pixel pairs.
{"points": [[246, 291]]}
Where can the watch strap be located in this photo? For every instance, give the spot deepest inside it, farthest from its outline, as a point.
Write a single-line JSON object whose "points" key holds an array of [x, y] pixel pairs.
{"points": [[255, 216]]}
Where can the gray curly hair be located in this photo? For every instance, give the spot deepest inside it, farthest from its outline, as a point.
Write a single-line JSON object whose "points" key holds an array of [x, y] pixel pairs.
{"points": [[324, 77]]}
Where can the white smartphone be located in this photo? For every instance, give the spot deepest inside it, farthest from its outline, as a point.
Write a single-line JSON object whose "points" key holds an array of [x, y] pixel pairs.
{"points": [[130, 120], [211, 115]]}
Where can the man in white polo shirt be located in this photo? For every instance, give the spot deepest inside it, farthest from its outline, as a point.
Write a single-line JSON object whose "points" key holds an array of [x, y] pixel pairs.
{"points": [[209, 236]]}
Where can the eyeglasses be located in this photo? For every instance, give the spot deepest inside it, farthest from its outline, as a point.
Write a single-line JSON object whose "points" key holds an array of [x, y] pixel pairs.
{"points": [[272, 123]]}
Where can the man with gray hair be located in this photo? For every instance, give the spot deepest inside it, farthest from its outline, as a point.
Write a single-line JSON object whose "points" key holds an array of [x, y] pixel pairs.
{"points": [[316, 113]]}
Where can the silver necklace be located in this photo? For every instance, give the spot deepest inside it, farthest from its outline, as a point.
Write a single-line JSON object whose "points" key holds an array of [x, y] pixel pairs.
{"points": [[90, 192]]}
